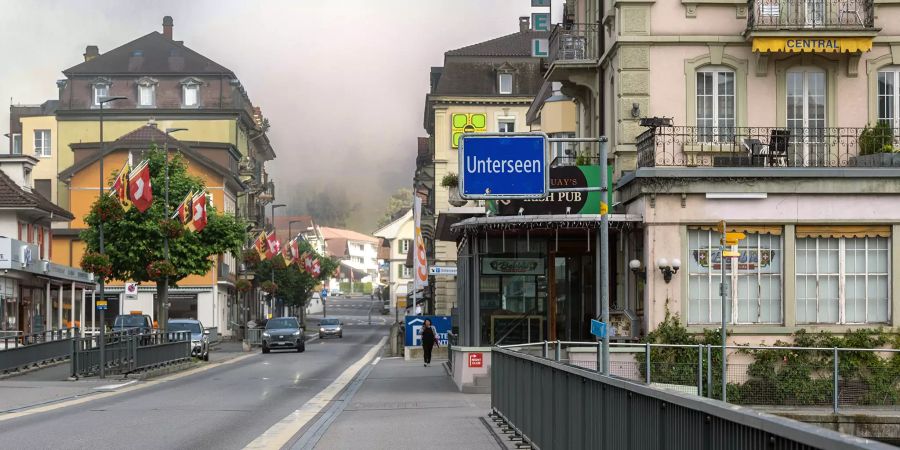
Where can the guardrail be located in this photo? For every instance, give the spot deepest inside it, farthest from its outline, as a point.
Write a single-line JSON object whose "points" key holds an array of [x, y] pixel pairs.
{"points": [[254, 336], [126, 352], [24, 351], [213, 334], [550, 404]]}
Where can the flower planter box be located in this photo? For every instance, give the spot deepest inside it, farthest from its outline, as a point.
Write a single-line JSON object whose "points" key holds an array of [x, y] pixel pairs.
{"points": [[876, 160]]}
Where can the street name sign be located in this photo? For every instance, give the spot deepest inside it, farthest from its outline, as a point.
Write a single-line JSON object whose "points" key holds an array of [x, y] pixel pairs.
{"points": [[442, 270], [498, 166], [598, 328], [101, 305]]}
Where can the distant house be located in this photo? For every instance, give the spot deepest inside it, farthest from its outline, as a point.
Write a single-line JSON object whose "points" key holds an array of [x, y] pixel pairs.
{"points": [[398, 239], [357, 252]]}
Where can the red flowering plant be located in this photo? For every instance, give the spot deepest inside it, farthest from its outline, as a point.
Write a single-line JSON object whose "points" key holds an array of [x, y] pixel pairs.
{"points": [[171, 228], [108, 209], [160, 269], [268, 287], [97, 264], [243, 285]]}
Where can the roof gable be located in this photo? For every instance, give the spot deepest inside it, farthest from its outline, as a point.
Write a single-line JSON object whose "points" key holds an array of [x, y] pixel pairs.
{"points": [[13, 196], [516, 44], [149, 54]]}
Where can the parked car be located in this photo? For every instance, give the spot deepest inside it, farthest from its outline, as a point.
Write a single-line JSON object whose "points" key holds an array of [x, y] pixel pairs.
{"points": [[283, 333], [335, 293], [136, 321], [199, 336], [331, 327]]}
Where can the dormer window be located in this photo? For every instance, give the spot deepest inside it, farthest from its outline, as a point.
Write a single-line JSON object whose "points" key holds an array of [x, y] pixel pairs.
{"points": [[190, 92], [100, 88], [505, 83], [146, 87]]}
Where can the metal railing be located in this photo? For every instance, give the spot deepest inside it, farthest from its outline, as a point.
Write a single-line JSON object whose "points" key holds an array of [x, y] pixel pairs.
{"points": [[552, 405], [126, 351], [574, 42], [755, 375], [213, 334], [576, 160], [810, 14], [692, 146], [254, 336], [21, 352]]}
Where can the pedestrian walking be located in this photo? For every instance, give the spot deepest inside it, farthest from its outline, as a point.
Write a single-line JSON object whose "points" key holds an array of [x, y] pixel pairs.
{"points": [[429, 340]]}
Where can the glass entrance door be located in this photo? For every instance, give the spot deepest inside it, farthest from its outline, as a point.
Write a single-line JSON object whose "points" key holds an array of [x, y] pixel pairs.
{"points": [[806, 117]]}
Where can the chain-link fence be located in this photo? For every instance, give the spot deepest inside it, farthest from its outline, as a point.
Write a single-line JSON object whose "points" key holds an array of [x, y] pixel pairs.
{"points": [[754, 375]]}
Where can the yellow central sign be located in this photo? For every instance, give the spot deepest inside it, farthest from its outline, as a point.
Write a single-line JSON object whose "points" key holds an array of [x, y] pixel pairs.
{"points": [[812, 44]]}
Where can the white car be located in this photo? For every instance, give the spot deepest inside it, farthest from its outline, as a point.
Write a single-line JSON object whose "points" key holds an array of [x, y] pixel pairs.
{"points": [[335, 293]]}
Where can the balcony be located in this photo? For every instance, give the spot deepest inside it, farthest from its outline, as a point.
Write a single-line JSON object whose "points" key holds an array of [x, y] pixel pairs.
{"points": [[573, 46], [811, 15], [768, 147]]}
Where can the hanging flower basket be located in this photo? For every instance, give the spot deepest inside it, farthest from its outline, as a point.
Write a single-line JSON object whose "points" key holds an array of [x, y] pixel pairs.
{"points": [[171, 228], [160, 269], [108, 209], [454, 197], [268, 287], [96, 264], [243, 285]]}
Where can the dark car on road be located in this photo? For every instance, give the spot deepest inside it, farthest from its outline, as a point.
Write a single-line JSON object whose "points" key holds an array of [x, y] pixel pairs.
{"points": [[283, 333], [134, 322], [331, 327], [199, 336]]}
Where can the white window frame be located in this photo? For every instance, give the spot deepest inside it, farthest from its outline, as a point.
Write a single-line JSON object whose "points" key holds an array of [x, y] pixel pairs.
{"points": [[889, 98], [45, 150], [404, 246], [96, 92], [502, 121], [148, 84], [16, 139], [716, 115], [842, 280], [500, 78], [733, 276], [190, 84], [407, 271]]}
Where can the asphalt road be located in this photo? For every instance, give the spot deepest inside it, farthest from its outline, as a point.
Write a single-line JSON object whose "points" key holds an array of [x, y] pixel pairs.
{"points": [[223, 408], [354, 311]]}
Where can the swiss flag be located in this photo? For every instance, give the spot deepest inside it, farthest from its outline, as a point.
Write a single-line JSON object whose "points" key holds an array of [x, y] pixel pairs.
{"points": [[316, 268], [274, 245], [295, 251], [198, 205], [139, 188]]}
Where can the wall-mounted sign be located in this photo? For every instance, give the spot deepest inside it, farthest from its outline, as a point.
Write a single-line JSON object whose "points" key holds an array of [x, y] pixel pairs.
{"points": [[442, 270], [559, 202], [812, 44], [131, 290], [476, 359], [540, 48], [540, 21], [467, 123], [503, 165], [512, 266], [540, 3]]}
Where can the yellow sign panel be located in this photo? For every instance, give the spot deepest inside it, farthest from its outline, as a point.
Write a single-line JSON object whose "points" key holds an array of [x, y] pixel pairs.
{"points": [[467, 123], [101, 303], [604, 208], [731, 254], [734, 238], [812, 44]]}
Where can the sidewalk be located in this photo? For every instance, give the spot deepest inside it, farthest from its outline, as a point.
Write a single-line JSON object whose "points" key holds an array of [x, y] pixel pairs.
{"points": [[402, 404]]}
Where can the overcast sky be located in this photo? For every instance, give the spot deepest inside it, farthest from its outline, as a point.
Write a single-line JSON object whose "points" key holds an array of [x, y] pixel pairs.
{"points": [[342, 82]]}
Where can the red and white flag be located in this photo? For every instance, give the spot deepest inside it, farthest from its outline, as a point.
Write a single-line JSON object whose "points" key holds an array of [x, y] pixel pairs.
{"points": [[316, 268], [140, 191], [198, 208], [274, 245], [295, 251]]}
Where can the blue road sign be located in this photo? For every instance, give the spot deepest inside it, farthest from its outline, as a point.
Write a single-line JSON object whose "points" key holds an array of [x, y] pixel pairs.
{"points": [[503, 166], [598, 328]]}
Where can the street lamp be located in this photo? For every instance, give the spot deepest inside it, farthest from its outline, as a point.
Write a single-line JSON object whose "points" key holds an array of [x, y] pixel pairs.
{"points": [[274, 230], [163, 313], [102, 101], [290, 224]]}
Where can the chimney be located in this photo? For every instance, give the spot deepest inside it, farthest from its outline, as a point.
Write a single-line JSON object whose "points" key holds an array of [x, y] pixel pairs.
{"points": [[91, 52], [167, 26], [524, 24]]}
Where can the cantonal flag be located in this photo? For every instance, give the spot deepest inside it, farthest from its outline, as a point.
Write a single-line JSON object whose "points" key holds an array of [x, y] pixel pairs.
{"points": [[184, 209], [260, 246], [119, 187], [295, 251]]}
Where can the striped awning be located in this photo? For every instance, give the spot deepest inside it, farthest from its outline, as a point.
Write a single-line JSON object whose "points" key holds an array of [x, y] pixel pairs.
{"points": [[812, 44], [839, 231]]}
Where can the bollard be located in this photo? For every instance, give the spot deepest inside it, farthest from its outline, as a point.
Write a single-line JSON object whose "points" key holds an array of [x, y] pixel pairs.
{"points": [[558, 350], [545, 349]]}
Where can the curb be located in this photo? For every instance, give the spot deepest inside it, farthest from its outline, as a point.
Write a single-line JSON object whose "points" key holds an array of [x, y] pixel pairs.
{"points": [[34, 367], [164, 370]]}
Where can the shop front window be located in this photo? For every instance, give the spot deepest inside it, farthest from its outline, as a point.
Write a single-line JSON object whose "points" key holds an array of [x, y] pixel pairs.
{"points": [[754, 283]]}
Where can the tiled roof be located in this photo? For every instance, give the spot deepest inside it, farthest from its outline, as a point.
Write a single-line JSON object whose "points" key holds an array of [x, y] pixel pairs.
{"points": [[13, 196], [516, 44], [350, 235], [151, 54]]}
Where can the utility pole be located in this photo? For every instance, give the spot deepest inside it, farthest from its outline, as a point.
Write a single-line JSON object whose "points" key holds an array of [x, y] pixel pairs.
{"points": [[102, 101], [728, 249], [603, 257]]}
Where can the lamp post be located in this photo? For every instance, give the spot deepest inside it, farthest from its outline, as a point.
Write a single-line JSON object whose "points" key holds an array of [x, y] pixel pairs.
{"points": [[163, 313], [272, 273], [101, 102], [290, 227]]}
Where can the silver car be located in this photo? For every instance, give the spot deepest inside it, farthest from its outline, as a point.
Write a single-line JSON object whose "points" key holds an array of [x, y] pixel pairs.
{"points": [[199, 336], [331, 327]]}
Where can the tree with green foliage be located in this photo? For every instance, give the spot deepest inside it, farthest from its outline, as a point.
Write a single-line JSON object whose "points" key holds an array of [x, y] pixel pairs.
{"points": [[400, 202], [293, 285], [134, 240]]}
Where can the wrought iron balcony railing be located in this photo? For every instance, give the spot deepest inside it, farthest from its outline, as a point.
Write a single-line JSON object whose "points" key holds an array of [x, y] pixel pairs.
{"points": [[574, 42], [765, 147], [810, 15]]}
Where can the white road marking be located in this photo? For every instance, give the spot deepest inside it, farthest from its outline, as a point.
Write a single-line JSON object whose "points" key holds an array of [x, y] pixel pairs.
{"points": [[113, 387], [376, 360], [279, 434]]}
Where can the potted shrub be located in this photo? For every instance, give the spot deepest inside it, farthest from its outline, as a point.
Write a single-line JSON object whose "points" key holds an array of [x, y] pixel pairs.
{"points": [[451, 182], [876, 147]]}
